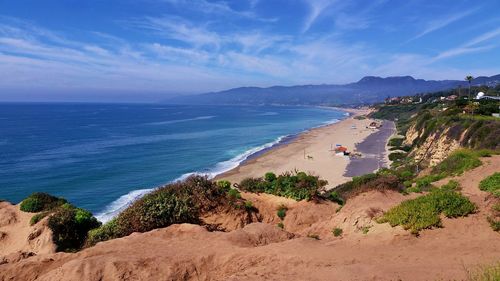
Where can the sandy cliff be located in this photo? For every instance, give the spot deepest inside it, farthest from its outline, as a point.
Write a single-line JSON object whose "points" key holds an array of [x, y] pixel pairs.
{"points": [[263, 251]]}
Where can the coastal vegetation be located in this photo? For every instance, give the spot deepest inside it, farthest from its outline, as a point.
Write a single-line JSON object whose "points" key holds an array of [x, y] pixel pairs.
{"points": [[382, 180], [424, 212], [181, 202], [39, 201], [295, 185], [337, 231], [486, 273], [70, 226], [491, 184]]}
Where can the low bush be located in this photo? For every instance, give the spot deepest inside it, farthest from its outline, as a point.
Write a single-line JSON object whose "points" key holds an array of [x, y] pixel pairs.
{"points": [[337, 231], [451, 185], [296, 185], [39, 201], [249, 205], [38, 217], [366, 229], [281, 211], [180, 202], [413, 189], [70, 227], [335, 197], [233, 194], [381, 181], [495, 224], [397, 156], [224, 185], [491, 184], [396, 141], [457, 163], [106, 232], [423, 212], [425, 183], [281, 225]]}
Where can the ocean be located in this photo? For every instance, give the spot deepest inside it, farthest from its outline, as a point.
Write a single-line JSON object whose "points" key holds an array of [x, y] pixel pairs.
{"points": [[103, 156]]}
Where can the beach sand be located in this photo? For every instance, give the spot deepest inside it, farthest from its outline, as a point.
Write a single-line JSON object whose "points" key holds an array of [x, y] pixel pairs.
{"points": [[312, 152]]}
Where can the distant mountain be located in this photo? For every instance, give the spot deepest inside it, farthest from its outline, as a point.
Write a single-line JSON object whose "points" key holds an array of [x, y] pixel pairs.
{"points": [[369, 89]]}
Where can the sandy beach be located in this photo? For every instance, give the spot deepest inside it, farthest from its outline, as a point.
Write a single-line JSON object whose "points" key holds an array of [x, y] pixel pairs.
{"points": [[313, 152]]}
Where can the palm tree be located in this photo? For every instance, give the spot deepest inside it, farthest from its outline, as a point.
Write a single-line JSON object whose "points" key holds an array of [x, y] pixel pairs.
{"points": [[469, 78]]}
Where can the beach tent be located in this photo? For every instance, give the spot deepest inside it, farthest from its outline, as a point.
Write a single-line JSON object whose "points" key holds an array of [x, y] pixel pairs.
{"points": [[341, 149]]}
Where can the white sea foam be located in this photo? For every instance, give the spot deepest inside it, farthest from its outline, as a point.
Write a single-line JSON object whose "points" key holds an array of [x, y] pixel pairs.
{"points": [[125, 200], [181, 120], [120, 204], [269, 113]]}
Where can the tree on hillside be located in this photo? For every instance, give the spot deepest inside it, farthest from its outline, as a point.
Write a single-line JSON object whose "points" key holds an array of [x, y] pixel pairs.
{"points": [[469, 78]]}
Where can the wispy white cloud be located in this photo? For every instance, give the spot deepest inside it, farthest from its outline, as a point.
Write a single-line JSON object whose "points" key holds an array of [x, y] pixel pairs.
{"points": [[442, 22], [220, 8], [316, 8]]}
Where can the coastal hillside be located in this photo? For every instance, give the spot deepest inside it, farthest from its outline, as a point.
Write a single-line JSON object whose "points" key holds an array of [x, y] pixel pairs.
{"points": [[369, 89], [432, 214]]}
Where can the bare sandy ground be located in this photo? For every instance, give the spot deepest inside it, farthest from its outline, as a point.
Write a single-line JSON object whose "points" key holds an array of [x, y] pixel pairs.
{"points": [[262, 251], [310, 152]]}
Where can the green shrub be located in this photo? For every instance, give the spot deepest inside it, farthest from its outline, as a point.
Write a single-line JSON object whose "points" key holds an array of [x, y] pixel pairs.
{"points": [[380, 181], [495, 224], [413, 189], [397, 156], [396, 141], [457, 163], [70, 227], [366, 229], [224, 185], [491, 184], [337, 231], [406, 175], [38, 217], [233, 194], [296, 185], [106, 232], [407, 184], [249, 205], [38, 202], [156, 210], [335, 197], [281, 225], [270, 177], [180, 202], [281, 212], [425, 183], [423, 212], [451, 185]]}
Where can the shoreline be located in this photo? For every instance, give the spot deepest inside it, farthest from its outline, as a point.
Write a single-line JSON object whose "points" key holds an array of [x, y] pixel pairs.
{"points": [[310, 151]]}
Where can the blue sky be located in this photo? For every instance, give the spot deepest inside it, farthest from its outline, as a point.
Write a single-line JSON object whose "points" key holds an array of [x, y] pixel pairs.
{"points": [[142, 50]]}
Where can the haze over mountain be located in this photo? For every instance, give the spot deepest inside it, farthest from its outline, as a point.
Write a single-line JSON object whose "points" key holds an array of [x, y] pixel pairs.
{"points": [[367, 90]]}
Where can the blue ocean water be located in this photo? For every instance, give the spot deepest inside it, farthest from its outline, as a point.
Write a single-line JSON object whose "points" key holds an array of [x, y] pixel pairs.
{"points": [[103, 156]]}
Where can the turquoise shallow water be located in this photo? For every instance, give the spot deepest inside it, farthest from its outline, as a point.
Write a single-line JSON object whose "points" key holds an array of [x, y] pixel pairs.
{"points": [[102, 156]]}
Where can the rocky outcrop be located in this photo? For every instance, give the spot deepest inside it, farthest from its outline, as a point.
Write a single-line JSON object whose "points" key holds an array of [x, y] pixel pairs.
{"points": [[435, 148]]}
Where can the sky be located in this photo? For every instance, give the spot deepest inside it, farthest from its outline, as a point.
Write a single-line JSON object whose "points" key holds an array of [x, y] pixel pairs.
{"points": [[147, 50]]}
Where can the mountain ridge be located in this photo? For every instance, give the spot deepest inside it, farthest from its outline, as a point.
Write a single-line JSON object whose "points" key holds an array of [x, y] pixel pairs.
{"points": [[369, 89]]}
